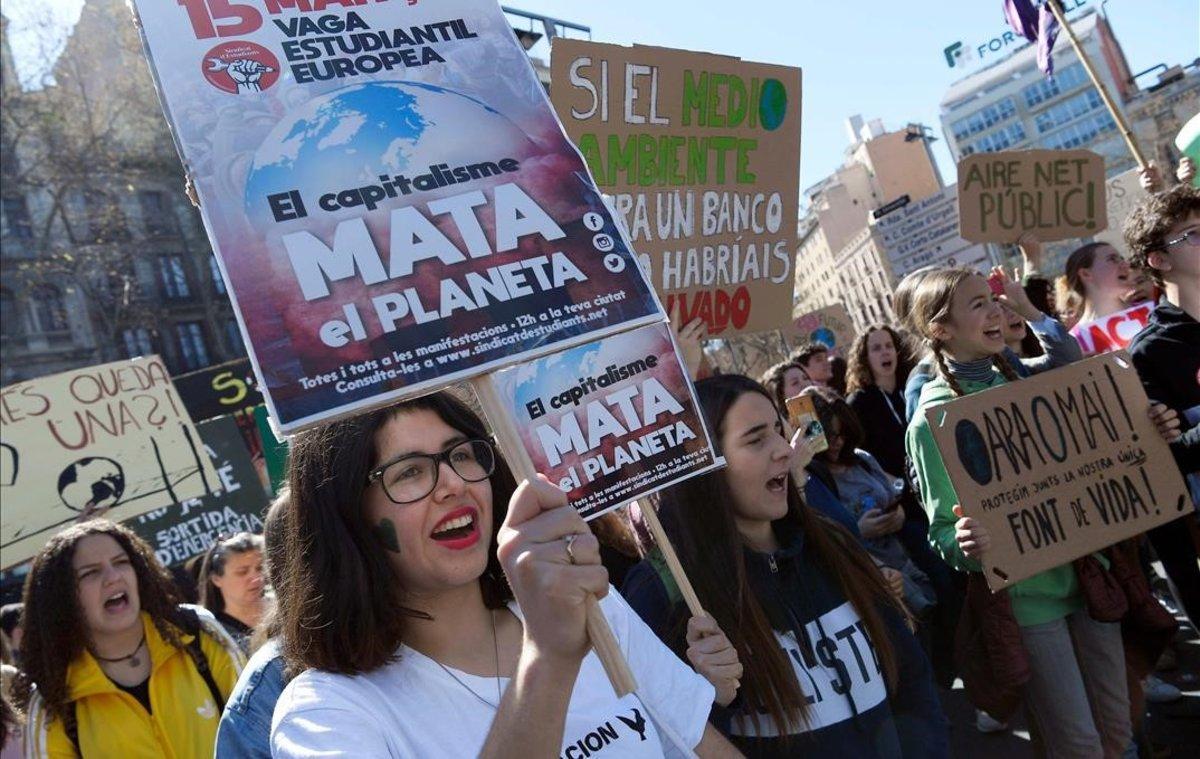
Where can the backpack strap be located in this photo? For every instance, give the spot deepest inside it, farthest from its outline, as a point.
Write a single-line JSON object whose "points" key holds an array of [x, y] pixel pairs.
{"points": [[193, 626]]}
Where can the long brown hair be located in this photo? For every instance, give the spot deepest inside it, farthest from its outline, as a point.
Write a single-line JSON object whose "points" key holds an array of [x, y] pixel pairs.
{"points": [[341, 607], [55, 631], [858, 373], [1072, 293], [931, 302], [699, 520], [774, 380]]}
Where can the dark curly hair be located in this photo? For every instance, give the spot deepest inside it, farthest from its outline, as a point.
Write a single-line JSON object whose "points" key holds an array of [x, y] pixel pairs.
{"points": [[773, 380], [55, 630], [1146, 227], [858, 373], [341, 607]]}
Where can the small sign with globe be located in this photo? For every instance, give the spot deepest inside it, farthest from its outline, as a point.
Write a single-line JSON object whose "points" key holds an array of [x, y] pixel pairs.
{"points": [[112, 440]]}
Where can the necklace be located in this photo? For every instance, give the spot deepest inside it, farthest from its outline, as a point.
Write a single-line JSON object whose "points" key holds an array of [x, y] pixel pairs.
{"points": [[134, 659], [888, 400], [496, 653]]}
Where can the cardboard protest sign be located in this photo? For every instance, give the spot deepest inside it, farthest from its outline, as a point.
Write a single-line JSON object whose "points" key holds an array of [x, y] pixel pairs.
{"points": [[702, 155], [610, 421], [1058, 468], [392, 201], [180, 532], [219, 390], [112, 439], [1123, 193], [831, 326], [1055, 194], [1113, 332]]}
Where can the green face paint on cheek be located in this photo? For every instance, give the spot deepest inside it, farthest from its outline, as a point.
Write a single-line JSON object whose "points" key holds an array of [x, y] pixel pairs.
{"points": [[385, 530]]}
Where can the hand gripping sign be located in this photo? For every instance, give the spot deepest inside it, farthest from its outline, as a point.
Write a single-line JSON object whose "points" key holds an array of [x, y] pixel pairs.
{"points": [[392, 201], [1060, 468]]}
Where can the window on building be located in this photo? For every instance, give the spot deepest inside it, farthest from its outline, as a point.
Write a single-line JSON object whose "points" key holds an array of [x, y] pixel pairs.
{"points": [[1081, 133], [233, 338], [1002, 138], [105, 219], [157, 215], [10, 321], [16, 217], [173, 278], [984, 118], [47, 310], [193, 348], [137, 342], [215, 271], [1064, 80], [1068, 110]]}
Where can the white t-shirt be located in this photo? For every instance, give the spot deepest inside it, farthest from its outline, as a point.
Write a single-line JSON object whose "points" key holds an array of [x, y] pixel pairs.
{"points": [[414, 708]]}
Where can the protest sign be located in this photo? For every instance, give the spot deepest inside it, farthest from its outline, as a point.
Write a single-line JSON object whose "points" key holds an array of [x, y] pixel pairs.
{"points": [[180, 532], [1060, 468], [831, 326], [111, 439], [1123, 193], [393, 203], [701, 153], [1113, 332], [610, 421], [1055, 194], [219, 390]]}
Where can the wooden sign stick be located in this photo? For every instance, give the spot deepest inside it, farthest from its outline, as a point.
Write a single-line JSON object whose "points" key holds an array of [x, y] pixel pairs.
{"points": [[603, 640], [650, 516]]}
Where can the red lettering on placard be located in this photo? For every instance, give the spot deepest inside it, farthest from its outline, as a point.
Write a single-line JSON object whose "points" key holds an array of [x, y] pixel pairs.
{"points": [[1112, 333], [717, 308]]}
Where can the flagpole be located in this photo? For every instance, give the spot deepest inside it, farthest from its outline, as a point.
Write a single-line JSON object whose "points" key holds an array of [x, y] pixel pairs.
{"points": [[1061, 17]]}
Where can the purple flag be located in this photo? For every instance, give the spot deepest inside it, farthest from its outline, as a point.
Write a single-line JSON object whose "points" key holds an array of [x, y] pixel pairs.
{"points": [[1036, 24]]}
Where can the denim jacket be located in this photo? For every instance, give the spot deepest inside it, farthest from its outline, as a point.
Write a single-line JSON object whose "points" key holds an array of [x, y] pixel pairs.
{"points": [[245, 729]]}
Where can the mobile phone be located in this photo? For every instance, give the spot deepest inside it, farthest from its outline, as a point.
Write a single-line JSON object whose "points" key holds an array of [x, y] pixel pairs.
{"points": [[996, 283], [803, 416]]}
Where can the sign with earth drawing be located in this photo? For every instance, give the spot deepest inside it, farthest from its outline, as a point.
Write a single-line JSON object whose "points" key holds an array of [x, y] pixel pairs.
{"points": [[393, 203], [1059, 468], [701, 154], [112, 440]]}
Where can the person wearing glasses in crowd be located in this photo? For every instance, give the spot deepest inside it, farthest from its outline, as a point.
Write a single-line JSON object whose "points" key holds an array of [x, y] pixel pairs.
{"points": [[231, 584], [1163, 236], [403, 526]]}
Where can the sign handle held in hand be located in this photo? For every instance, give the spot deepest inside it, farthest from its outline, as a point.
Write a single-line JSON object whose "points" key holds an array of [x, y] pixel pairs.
{"points": [[650, 515], [603, 640]]}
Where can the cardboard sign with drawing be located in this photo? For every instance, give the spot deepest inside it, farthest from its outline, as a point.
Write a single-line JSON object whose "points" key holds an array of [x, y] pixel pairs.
{"points": [[1060, 468]]}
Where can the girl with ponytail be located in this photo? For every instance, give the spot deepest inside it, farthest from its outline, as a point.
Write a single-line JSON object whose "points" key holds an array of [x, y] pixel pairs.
{"points": [[1076, 689]]}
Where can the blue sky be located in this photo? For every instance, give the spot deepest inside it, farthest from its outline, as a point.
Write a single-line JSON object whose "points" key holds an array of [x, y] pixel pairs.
{"points": [[880, 58]]}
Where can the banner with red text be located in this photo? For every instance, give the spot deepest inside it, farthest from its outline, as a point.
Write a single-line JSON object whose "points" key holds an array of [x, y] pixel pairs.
{"points": [[610, 421], [1114, 332], [112, 440], [701, 154], [393, 203]]}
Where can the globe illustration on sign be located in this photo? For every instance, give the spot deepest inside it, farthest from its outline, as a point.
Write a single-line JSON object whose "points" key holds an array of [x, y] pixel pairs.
{"points": [[348, 138], [93, 480]]}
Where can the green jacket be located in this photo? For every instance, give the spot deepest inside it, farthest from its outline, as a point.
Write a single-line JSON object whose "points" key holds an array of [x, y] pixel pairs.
{"points": [[1045, 597]]}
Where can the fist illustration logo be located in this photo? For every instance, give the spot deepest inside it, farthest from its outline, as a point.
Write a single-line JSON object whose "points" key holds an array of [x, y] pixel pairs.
{"points": [[240, 67]]}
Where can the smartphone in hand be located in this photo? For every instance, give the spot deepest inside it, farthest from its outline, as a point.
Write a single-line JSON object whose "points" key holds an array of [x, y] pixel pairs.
{"points": [[803, 416], [996, 283]]}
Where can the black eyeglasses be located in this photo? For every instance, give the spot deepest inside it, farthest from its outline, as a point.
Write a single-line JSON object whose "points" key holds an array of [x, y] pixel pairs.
{"points": [[1192, 236], [411, 477]]}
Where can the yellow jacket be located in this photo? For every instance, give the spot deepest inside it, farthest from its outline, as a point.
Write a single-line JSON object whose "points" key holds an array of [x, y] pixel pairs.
{"points": [[113, 724]]}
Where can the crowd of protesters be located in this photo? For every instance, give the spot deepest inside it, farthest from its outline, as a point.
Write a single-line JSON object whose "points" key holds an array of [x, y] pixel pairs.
{"points": [[410, 598]]}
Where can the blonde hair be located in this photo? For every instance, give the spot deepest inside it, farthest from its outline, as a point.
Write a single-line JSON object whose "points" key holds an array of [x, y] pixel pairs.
{"points": [[931, 300]]}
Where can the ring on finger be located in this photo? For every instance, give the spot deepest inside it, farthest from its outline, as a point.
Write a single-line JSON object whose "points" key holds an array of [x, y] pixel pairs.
{"points": [[569, 540]]}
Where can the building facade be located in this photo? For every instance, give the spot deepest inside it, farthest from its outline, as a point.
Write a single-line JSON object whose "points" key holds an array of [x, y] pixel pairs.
{"points": [[816, 280], [1011, 105]]}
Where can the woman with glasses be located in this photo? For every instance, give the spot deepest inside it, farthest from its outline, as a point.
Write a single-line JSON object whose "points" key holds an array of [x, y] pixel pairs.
{"points": [[231, 584], [435, 608]]}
